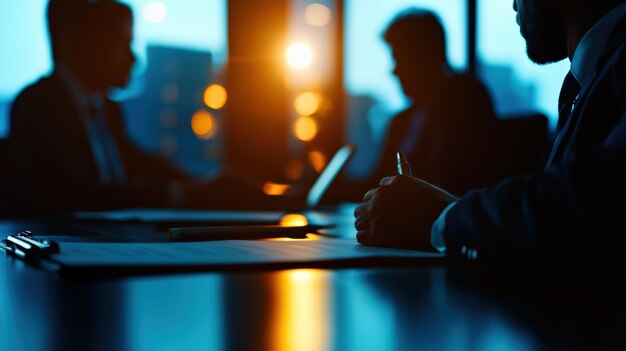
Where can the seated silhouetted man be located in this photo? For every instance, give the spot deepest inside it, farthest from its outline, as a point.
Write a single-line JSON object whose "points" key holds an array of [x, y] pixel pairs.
{"points": [[571, 213], [440, 133], [67, 136]]}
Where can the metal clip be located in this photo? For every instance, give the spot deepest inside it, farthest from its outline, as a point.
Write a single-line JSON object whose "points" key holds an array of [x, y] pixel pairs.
{"points": [[24, 246]]}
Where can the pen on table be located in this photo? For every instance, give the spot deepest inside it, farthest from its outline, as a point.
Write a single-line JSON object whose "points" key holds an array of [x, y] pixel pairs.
{"points": [[238, 232], [404, 167]]}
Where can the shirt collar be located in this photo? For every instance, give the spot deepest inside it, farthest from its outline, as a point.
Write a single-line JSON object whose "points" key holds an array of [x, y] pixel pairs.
{"points": [[592, 45]]}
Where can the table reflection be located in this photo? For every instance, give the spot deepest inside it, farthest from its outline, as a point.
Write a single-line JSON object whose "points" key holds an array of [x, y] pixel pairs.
{"points": [[300, 309], [301, 316], [46, 312], [175, 313]]}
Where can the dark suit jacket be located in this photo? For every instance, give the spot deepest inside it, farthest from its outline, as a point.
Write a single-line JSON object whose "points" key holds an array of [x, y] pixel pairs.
{"points": [[452, 140], [55, 168], [574, 211], [453, 148]]}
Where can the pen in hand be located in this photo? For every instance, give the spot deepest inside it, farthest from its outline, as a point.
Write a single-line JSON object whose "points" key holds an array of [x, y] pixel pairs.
{"points": [[404, 167]]}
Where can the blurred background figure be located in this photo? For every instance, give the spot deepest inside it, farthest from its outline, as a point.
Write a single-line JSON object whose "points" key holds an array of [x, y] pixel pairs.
{"points": [[441, 132], [67, 136], [450, 132], [68, 140]]}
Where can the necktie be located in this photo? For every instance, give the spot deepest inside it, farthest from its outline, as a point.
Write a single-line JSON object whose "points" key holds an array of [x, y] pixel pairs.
{"points": [[103, 145], [567, 99]]}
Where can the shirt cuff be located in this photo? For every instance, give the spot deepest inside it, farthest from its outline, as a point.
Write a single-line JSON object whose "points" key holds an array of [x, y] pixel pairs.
{"points": [[436, 231]]}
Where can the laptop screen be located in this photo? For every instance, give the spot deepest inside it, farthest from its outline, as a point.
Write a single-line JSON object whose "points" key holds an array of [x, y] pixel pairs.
{"points": [[328, 175]]}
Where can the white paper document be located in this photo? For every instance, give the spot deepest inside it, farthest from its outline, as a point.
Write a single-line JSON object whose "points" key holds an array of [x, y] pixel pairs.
{"points": [[225, 254]]}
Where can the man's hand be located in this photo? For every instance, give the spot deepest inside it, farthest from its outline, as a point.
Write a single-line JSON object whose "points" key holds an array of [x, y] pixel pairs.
{"points": [[400, 213]]}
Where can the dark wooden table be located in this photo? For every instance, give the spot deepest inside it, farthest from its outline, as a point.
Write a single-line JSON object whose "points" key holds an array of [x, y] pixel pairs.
{"points": [[387, 308]]}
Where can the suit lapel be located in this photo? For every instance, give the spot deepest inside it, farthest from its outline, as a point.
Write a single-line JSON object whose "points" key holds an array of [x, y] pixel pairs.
{"points": [[563, 142], [71, 122], [567, 131]]}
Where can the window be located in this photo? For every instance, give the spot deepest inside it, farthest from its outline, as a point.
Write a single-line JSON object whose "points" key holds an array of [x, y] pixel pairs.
{"points": [[24, 44], [517, 85], [174, 103]]}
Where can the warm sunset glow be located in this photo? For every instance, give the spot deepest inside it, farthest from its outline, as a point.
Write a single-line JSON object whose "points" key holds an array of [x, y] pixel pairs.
{"points": [[317, 15], [154, 12], [299, 55], [317, 160], [275, 189], [305, 128], [301, 316], [293, 220], [215, 96], [203, 124], [307, 103]]}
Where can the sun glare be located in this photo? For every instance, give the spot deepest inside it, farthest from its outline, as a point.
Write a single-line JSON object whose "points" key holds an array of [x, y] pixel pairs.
{"points": [[299, 55]]}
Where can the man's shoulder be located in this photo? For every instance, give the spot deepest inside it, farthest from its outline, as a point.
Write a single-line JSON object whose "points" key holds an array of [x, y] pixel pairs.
{"points": [[617, 69], [613, 59], [617, 60], [42, 89], [45, 97], [468, 93], [611, 71]]}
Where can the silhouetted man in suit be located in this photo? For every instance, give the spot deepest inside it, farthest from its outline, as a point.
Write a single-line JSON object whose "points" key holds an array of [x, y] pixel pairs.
{"points": [[67, 137], [439, 131], [573, 211]]}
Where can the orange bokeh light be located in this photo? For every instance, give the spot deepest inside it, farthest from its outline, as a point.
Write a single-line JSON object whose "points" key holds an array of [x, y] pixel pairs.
{"points": [[294, 169], [317, 15], [305, 128], [317, 160], [215, 96], [307, 103], [293, 220], [203, 124], [275, 189]]}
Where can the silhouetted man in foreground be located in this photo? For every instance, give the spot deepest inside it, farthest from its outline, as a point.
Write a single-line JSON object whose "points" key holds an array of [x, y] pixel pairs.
{"points": [[573, 211]]}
